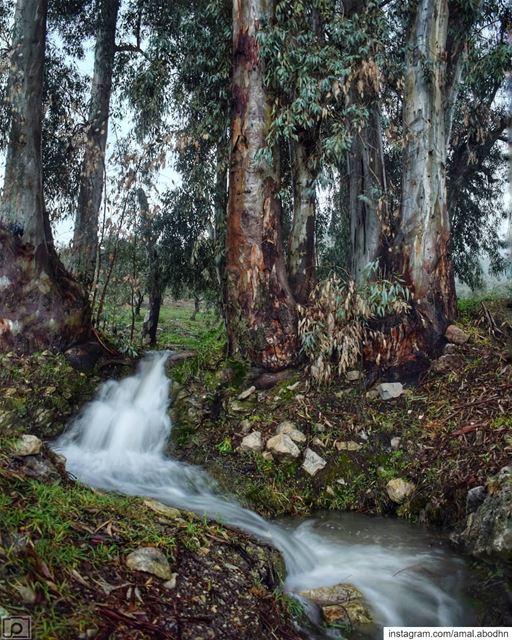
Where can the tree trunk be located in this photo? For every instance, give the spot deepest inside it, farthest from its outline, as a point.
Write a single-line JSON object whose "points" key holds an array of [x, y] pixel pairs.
{"points": [[367, 191], [261, 312], [422, 244], [85, 240], [154, 281], [40, 305], [301, 250]]}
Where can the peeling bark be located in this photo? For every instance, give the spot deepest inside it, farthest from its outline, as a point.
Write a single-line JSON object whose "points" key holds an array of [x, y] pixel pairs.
{"points": [[40, 305], [301, 248], [85, 239], [261, 312]]}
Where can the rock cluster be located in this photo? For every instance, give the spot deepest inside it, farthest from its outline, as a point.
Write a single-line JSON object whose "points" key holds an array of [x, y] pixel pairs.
{"points": [[340, 604]]}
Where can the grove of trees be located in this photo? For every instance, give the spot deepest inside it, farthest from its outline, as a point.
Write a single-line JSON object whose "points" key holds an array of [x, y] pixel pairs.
{"points": [[357, 145]]}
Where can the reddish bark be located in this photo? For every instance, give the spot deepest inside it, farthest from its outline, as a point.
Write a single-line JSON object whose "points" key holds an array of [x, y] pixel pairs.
{"points": [[261, 313]]}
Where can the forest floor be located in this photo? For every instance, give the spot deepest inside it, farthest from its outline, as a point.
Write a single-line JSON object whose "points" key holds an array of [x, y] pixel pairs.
{"points": [[63, 547]]}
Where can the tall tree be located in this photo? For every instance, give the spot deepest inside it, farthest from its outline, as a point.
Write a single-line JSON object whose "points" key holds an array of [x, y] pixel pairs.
{"points": [[436, 41], [41, 305], [85, 239], [261, 314]]}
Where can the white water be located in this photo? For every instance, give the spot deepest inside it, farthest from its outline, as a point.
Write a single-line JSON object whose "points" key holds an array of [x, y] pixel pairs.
{"points": [[119, 441]]}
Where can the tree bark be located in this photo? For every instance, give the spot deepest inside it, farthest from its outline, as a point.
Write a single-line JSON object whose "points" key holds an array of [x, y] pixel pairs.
{"points": [[85, 239], [301, 249], [261, 312], [367, 191], [40, 305], [421, 251]]}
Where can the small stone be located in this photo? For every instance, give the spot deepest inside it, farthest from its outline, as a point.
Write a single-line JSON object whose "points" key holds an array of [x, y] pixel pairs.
{"points": [[449, 349], [245, 426], [171, 584], [350, 445], [456, 335], [395, 442], [252, 442], [162, 509], [318, 442], [150, 560], [448, 362], [353, 376], [474, 498], [27, 594], [313, 463], [266, 455], [341, 481], [372, 394], [390, 390], [293, 386], [289, 429], [247, 393], [236, 406], [28, 446], [399, 490], [283, 445], [318, 426]]}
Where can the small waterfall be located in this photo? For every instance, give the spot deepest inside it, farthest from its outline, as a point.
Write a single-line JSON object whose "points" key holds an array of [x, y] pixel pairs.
{"points": [[118, 443]]}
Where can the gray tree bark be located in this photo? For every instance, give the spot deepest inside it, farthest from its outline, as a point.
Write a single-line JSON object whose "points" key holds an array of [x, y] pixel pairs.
{"points": [[85, 239], [40, 305]]}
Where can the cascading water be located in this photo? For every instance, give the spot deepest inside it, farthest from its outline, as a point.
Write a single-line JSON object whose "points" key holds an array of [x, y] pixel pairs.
{"points": [[119, 441]]}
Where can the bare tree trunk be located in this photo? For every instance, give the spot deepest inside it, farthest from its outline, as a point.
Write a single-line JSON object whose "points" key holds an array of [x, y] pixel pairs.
{"points": [[154, 281], [85, 240], [197, 307], [301, 249], [422, 244], [261, 312], [40, 305], [367, 191]]}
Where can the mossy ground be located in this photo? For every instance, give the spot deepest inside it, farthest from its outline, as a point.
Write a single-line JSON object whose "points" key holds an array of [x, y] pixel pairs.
{"points": [[455, 430]]}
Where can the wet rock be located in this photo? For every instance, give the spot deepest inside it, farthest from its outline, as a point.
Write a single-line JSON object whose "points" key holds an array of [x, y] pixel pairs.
{"points": [[247, 393], [475, 498], [150, 560], [84, 357], [456, 335], [162, 509], [283, 445], [252, 442], [446, 363], [399, 490], [353, 376], [313, 463], [28, 446], [390, 390], [340, 604], [289, 429], [39, 468], [349, 445], [488, 530]]}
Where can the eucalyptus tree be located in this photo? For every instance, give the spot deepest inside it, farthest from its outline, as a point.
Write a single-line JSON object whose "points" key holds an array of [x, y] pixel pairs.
{"points": [[85, 239], [41, 305], [261, 313]]}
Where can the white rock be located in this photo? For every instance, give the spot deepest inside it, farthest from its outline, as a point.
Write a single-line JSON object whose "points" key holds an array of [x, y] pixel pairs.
{"points": [[395, 442], [282, 444], [150, 560], [171, 584], [399, 490], [28, 446], [289, 429], [252, 442], [245, 426], [313, 463], [245, 394], [352, 376], [266, 455], [389, 390]]}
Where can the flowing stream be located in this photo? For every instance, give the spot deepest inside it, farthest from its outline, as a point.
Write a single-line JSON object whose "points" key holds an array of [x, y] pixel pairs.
{"points": [[406, 574]]}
